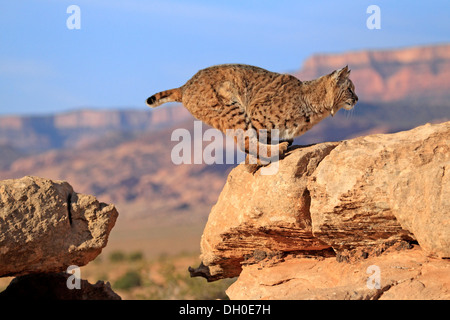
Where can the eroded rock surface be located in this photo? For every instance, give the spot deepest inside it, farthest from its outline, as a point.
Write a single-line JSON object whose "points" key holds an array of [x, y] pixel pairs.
{"points": [[45, 226], [339, 207], [396, 274], [387, 186], [267, 213]]}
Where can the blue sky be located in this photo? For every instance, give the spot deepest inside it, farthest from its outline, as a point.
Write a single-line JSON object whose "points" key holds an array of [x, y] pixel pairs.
{"points": [[128, 50]]}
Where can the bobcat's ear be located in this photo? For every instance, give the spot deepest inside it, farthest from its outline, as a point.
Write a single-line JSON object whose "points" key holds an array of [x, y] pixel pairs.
{"points": [[341, 74]]}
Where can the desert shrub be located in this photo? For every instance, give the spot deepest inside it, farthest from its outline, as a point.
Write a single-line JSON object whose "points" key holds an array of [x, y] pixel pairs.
{"points": [[136, 256], [129, 280], [116, 256]]}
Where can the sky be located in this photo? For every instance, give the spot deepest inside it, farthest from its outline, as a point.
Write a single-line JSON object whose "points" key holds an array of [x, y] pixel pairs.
{"points": [[125, 51]]}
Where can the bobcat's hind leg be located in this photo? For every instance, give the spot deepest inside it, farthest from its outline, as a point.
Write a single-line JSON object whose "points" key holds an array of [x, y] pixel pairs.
{"points": [[264, 153], [253, 163]]}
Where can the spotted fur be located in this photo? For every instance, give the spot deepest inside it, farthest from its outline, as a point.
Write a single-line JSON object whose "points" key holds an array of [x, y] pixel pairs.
{"points": [[236, 96]]}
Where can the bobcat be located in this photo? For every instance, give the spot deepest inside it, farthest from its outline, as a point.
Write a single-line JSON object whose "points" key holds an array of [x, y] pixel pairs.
{"points": [[237, 96]]}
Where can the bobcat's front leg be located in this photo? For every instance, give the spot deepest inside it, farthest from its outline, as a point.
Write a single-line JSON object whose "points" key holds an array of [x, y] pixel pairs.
{"points": [[260, 154]]}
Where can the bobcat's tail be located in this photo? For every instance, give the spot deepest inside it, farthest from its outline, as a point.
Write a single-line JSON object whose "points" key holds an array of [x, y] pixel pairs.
{"points": [[164, 96]]}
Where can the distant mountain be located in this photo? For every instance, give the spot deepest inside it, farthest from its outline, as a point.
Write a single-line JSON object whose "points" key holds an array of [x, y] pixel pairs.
{"points": [[136, 174], [397, 89], [8, 155], [31, 134], [124, 156], [407, 74]]}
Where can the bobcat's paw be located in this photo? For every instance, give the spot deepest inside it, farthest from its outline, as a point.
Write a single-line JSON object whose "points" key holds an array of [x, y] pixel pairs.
{"points": [[252, 163]]}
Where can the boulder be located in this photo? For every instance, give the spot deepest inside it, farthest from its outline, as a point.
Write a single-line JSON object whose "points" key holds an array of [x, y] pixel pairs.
{"points": [[385, 187], [263, 213], [45, 226], [53, 286], [286, 235], [394, 275]]}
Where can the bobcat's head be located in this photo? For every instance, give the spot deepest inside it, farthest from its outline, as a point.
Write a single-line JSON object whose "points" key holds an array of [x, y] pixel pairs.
{"points": [[342, 89]]}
